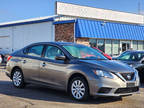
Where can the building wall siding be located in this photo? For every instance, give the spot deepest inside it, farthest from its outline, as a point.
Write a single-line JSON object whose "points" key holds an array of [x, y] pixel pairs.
{"points": [[17, 37], [64, 32], [84, 41]]}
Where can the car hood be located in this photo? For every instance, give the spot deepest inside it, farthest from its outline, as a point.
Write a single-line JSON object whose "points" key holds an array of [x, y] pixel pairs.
{"points": [[134, 64], [108, 65]]}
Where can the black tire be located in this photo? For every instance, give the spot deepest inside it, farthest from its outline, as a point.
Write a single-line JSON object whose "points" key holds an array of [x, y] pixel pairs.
{"points": [[86, 91], [18, 84]]}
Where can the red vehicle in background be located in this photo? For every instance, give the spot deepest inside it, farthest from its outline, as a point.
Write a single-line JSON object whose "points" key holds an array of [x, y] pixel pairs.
{"points": [[106, 55]]}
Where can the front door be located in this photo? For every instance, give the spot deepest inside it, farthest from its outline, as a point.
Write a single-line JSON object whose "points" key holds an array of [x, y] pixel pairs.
{"points": [[53, 72]]}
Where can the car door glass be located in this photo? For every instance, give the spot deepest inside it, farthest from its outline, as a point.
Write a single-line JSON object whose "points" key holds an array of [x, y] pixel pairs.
{"points": [[125, 57], [52, 52], [133, 57], [35, 51], [140, 56]]}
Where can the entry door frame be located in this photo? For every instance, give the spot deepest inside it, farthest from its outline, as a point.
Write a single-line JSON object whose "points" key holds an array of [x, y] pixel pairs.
{"points": [[125, 42]]}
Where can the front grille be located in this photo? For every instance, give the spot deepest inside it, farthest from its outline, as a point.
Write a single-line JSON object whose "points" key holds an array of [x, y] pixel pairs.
{"points": [[104, 90], [128, 76], [127, 90]]}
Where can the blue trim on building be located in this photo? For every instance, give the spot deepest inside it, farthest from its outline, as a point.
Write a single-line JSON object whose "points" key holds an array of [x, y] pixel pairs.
{"points": [[64, 22], [108, 30], [28, 22]]}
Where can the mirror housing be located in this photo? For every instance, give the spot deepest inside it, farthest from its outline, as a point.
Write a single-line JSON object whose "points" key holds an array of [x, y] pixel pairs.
{"points": [[142, 61], [60, 57]]}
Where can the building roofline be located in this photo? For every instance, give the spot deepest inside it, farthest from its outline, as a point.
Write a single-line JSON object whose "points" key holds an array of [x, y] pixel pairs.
{"points": [[29, 21], [64, 22]]}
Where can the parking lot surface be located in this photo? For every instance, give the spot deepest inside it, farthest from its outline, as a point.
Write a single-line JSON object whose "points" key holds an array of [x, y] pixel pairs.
{"points": [[34, 96]]}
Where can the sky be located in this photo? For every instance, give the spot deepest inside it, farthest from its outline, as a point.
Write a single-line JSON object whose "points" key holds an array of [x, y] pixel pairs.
{"points": [[12, 10]]}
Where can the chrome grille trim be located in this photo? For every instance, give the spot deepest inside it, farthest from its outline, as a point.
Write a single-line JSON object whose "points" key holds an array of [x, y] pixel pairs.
{"points": [[125, 79]]}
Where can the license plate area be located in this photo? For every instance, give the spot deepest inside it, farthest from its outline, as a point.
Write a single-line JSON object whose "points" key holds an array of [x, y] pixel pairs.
{"points": [[130, 84]]}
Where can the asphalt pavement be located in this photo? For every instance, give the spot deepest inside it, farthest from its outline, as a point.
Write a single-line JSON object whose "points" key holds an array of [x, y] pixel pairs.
{"points": [[34, 96]]}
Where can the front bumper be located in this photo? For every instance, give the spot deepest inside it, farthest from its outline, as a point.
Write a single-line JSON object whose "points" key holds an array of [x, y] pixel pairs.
{"points": [[120, 91], [113, 87]]}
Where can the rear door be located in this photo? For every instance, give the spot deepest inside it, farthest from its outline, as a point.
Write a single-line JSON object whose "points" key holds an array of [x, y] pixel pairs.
{"points": [[31, 62]]}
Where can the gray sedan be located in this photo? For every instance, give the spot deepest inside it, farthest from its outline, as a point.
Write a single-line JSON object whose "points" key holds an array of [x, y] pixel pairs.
{"points": [[77, 69]]}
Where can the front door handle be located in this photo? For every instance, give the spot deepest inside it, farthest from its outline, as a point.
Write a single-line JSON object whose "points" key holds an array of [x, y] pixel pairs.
{"points": [[43, 64], [24, 61]]}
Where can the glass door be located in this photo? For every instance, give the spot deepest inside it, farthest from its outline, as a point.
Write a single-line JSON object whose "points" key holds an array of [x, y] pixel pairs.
{"points": [[125, 46]]}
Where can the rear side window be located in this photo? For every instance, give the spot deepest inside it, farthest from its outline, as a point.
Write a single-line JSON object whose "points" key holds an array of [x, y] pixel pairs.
{"points": [[35, 51]]}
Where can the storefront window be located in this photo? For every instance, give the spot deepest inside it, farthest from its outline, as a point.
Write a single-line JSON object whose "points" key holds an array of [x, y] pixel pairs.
{"points": [[115, 47], [93, 42], [108, 47], [140, 45], [134, 45], [100, 44]]}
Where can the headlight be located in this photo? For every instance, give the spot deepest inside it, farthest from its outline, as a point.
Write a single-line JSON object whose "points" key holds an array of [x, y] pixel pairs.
{"points": [[103, 73], [136, 72]]}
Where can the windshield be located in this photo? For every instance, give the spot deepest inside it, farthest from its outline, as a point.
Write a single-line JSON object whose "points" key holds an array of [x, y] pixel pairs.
{"points": [[131, 56], [84, 52], [97, 50]]}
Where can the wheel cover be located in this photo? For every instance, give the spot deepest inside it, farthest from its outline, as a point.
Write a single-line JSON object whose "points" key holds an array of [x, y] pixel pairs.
{"points": [[17, 78], [78, 89]]}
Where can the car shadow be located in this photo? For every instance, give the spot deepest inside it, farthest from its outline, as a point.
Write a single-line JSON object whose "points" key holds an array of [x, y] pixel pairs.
{"points": [[42, 93]]}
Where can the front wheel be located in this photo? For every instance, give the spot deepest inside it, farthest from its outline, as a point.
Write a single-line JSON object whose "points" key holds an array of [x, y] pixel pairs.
{"points": [[78, 88], [18, 79]]}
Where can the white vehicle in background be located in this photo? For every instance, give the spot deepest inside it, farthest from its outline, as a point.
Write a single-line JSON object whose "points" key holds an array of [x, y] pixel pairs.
{"points": [[0, 59], [3, 56]]}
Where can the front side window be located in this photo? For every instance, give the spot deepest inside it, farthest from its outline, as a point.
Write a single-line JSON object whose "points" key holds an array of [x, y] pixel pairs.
{"points": [[125, 57], [52, 52], [131, 56], [139, 56], [83, 52], [35, 51]]}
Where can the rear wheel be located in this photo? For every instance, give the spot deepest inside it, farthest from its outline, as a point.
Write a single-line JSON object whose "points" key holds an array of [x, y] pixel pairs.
{"points": [[78, 88], [18, 79]]}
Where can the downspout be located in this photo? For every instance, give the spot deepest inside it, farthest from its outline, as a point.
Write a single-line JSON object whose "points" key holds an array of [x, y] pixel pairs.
{"points": [[75, 31]]}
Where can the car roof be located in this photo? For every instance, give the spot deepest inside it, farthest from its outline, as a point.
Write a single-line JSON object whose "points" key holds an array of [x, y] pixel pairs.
{"points": [[57, 43], [134, 51]]}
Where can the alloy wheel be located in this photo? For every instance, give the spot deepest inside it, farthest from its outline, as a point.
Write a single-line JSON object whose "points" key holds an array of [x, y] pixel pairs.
{"points": [[17, 78], [78, 89]]}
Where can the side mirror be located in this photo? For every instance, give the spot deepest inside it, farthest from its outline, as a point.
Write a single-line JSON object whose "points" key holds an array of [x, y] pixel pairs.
{"points": [[60, 57], [142, 61]]}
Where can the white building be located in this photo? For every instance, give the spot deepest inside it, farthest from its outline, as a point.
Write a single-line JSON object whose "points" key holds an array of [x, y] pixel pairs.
{"points": [[111, 31], [17, 34]]}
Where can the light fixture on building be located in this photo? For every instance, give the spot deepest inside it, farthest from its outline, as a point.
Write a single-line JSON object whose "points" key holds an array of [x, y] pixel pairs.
{"points": [[103, 23]]}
